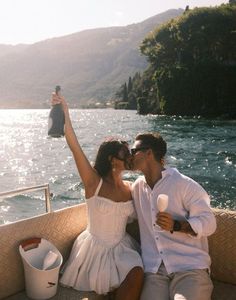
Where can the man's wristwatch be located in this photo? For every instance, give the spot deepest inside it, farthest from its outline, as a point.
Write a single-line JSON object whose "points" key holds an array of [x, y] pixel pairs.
{"points": [[176, 226]]}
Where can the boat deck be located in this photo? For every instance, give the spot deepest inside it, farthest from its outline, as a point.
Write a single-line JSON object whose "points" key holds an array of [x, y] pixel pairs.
{"points": [[221, 291], [63, 226], [64, 294]]}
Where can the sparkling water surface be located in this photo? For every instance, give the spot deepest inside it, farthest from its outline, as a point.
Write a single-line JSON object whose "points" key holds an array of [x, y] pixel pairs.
{"points": [[202, 149]]}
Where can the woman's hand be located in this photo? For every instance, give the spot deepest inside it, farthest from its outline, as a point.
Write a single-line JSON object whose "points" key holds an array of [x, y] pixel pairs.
{"points": [[57, 99]]}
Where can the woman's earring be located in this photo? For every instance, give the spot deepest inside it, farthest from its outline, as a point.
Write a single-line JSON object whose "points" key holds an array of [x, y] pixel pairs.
{"points": [[113, 168], [162, 162]]}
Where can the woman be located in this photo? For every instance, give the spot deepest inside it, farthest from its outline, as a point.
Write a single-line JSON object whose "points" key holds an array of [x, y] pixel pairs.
{"points": [[104, 256]]}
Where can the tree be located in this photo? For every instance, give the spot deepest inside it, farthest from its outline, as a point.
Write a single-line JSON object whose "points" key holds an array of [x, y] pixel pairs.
{"points": [[186, 8], [125, 93], [129, 85], [193, 63]]}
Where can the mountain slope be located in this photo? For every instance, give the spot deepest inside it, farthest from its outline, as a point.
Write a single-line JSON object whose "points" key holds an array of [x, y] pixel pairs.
{"points": [[89, 65]]}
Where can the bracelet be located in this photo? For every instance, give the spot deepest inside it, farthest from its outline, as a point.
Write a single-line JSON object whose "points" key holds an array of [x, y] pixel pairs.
{"points": [[176, 226]]}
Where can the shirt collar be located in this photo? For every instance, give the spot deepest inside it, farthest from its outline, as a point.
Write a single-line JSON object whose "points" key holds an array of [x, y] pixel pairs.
{"points": [[167, 172]]}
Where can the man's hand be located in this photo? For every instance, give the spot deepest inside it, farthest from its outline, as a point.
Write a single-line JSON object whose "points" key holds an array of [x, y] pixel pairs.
{"points": [[165, 221]]}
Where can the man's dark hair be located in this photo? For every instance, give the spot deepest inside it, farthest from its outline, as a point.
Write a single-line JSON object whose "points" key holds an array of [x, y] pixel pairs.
{"points": [[155, 142]]}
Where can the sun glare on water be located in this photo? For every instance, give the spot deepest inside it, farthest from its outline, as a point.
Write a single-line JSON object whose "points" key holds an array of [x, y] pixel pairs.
{"points": [[18, 141]]}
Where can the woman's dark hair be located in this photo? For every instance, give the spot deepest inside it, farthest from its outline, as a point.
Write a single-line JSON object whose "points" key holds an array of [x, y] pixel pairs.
{"points": [[106, 151], [155, 142]]}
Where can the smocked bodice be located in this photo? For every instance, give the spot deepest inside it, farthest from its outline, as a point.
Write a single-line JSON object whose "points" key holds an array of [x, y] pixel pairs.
{"points": [[107, 219]]}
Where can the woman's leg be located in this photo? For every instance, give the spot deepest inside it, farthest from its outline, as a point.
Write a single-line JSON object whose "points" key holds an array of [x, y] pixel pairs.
{"points": [[130, 288]]}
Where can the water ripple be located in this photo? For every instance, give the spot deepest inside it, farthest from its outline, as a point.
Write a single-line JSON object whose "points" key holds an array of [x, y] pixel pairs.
{"points": [[202, 149]]}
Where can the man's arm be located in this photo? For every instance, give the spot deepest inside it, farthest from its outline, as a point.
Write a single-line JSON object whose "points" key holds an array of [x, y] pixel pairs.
{"points": [[186, 228], [200, 215], [167, 222]]}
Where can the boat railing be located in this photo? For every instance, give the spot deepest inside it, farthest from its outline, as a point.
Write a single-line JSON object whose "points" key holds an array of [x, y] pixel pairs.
{"points": [[35, 188]]}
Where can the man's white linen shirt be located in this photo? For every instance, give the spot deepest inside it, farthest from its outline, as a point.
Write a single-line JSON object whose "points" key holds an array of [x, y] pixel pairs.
{"points": [[187, 201]]}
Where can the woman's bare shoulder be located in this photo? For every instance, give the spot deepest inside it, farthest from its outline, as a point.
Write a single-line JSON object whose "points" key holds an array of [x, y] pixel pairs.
{"points": [[91, 186]]}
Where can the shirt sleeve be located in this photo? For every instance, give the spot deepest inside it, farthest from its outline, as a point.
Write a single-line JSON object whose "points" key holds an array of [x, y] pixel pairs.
{"points": [[133, 216], [200, 215]]}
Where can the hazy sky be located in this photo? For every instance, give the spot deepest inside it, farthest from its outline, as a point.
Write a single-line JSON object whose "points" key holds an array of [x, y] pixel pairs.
{"points": [[30, 21]]}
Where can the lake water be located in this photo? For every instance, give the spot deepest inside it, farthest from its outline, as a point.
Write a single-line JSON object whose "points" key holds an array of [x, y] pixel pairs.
{"points": [[202, 149]]}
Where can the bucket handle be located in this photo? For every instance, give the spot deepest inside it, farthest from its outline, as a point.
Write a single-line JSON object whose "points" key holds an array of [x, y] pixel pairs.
{"points": [[30, 244]]}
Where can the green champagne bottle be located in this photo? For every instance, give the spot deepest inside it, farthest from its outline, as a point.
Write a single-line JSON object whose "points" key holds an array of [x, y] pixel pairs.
{"points": [[56, 119]]}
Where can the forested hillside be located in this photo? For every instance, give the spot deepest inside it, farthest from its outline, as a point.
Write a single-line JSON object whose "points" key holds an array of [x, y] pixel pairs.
{"points": [[192, 66]]}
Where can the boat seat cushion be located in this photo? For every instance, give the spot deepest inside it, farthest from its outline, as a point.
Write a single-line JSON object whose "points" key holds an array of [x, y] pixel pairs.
{"points": [[66, 224]]}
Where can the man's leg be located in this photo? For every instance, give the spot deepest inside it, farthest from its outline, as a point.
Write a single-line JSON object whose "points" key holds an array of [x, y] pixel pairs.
{"points": [[156, 286], [191, 285]]}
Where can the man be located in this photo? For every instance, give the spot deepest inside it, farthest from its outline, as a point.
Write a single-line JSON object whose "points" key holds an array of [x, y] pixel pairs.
{"points": [[174, 242]]}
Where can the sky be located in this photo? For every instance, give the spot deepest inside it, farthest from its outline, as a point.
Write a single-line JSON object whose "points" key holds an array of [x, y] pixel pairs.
{"points": [[30, 21]]}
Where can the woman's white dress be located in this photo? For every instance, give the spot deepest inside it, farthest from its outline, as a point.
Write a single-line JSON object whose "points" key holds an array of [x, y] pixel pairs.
{"points": [[104, 253]]}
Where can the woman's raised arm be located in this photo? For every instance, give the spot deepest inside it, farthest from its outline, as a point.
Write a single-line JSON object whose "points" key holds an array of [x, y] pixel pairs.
{"points": [[87, 173]]}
